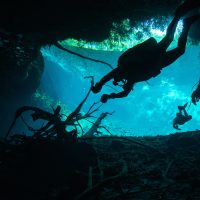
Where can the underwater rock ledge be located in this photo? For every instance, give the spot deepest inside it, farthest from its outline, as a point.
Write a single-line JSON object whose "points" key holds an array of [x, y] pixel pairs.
{"points": [[160, 167]]}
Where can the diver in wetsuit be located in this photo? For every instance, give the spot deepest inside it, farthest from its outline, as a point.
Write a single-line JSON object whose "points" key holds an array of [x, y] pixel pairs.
{"points": [[146, 60], [196, 95], [181, 117]]}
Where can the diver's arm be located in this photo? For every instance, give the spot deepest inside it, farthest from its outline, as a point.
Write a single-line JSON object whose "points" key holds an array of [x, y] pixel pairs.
{"points": [[109, 76], [120, 94], [124, 93], [105, 79]]}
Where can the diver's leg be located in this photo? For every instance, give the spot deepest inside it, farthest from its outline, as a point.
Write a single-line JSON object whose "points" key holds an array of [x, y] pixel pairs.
{"points": [[171, 56], [185, 113], [187, 6], [183, 107], [174, 54], [166, 41], [180, 108], [105, 79], [180, 11], [183, 37]]}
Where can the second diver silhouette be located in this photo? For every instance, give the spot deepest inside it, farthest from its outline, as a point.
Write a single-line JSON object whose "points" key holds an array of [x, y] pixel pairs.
{"points": [[196, 94], [181, 117], [146, 60]]}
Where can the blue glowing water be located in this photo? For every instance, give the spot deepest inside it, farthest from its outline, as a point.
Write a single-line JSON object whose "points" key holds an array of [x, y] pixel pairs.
{"points": [[148, 110]]}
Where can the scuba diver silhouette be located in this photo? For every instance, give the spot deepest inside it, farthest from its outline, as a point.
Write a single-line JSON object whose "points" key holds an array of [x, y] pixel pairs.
{"points": [[181, 117], [196, 94], [147, 59]]}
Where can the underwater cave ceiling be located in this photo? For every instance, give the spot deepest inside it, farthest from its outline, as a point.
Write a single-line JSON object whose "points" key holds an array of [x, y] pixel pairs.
{"points": [[89, 20]]}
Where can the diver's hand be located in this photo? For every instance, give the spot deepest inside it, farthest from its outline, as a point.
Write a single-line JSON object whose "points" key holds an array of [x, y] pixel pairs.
{"points": [[96, 88], [104, 98]]}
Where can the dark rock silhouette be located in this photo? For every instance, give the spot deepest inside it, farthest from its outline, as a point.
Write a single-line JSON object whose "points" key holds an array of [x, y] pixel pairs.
{"points": [[143, 167]]}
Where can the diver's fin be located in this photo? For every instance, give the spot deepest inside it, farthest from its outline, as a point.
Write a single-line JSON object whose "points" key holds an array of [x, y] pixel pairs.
{"points": [[187, 6], [185, 105], [190, 20]]}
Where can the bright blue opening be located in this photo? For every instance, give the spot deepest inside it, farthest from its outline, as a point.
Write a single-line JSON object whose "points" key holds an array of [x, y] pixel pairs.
{"points": [[148, 110]]}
